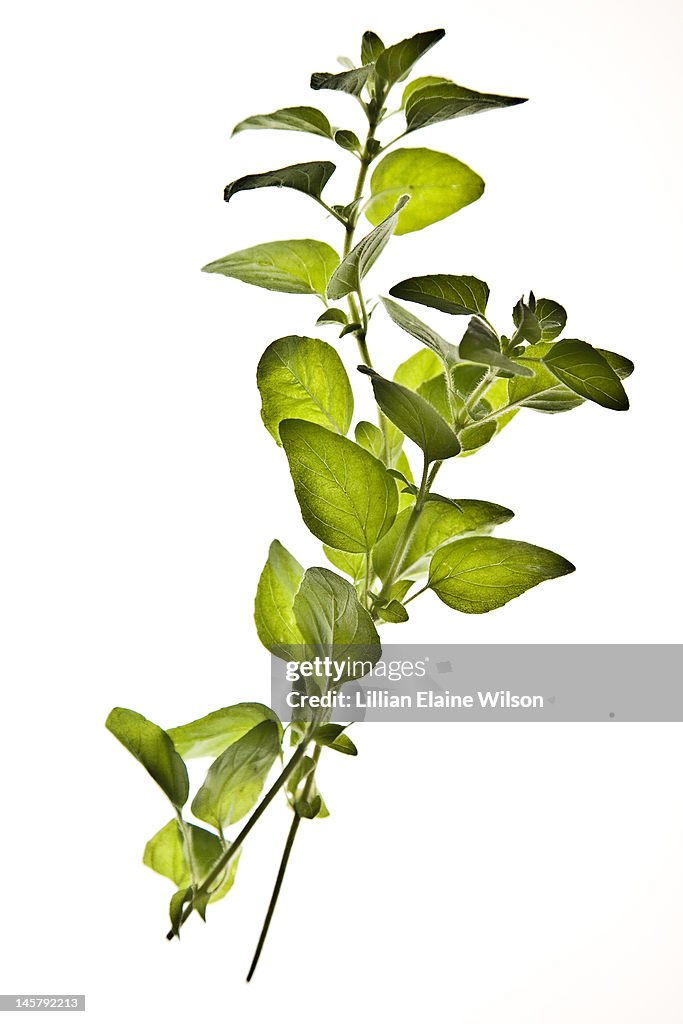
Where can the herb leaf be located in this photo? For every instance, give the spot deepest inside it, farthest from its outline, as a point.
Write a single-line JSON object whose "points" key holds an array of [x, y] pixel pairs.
{"points": [[211, 735], [298, 266], [165, 853], [353, 268], [304, 378], [294, 119], [309, 178], [583, 369], [273, 609], [450, 293], [235, 779], [396, 61], [478, 574], [347, 498], [351, 81], [437, 183], [154, 749], [441, 100]]}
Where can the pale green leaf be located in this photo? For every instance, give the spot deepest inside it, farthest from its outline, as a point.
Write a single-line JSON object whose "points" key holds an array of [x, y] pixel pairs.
{"points": [[165, 853], [347, 561], [298, 266], [273, 609], [334, 623], [478, 574], [370, 437], [154, 749], [235, 779], [209, 736], [422, 332], [417, 369], [347, 498], [438, 185], [304, 379]]}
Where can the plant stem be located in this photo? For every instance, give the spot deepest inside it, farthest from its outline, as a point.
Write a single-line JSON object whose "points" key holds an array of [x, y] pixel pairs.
{"points": [[225, 858], [402, 546], [291, 836]]}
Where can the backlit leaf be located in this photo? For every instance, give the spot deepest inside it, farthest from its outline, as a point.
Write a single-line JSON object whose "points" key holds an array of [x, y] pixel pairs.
{"points": [[295, 119], [353, 268], [299, 266]]}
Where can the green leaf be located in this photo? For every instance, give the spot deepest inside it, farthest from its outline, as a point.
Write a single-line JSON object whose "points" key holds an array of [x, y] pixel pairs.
{"points": [[349, 562], [527, 323], [419, 83], [304, 379], [300, 781], [392, 611], [344, 81], [583, 369], [447, 353], [476, 436], [396, 61], [333, 736], [478, 574], [450, 293], [443, 100], [273, 609], [415, 417], [353, 268], [309, 178], [176, 908], [347, 498], [294, 119], [440, 521], [417, 369], [543, 392], [552, 317], [154, 749], [165, 853], [333, 621], [235, 779], [481, 345], [299, 266], [370, 48], [622, 366], [436, 392], [370, 437], [333, 316], [209, 736], [437, 183], [347, 140]]}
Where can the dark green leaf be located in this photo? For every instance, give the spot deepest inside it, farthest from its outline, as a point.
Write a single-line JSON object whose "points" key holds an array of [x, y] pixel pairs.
{"points": [[552, 317], [209, 736], [353, 268], [343, 81], [444, 100], [459, 295], [478, 574], [347, 498], [415, 417], [583, 369], [481, 345], [392, 611], [309, 178], [371, 47], [273, 609], [422, 332], [347, 140], [437, 183], [304, 379], [299, 266], [440, 521], [295, 119], [154, 749], [332, 316], [176, 908], [396, 61], [235, 779], [527, 323]]}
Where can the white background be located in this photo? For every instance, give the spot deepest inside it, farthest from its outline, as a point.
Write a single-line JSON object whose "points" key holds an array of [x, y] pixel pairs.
{"points": [[483, 874]]}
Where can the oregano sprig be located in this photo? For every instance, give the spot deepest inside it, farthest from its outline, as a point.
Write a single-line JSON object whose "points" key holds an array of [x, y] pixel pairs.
{"points": [[388, 536]]}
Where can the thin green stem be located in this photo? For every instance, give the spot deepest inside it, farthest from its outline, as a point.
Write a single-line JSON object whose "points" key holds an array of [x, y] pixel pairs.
{"points": [[291, 836], [226, 857], [187, 841], [402, 546]]}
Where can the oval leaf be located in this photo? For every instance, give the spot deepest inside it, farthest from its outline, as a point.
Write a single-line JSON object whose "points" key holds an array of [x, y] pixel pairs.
{"points": [[273, 609], [353, 268], [299, 266], [478, 574], [450, 293], [293, 119], [154, 749], [304, 379], [309, 178], [415, 417], [211, 735], [552, 318], [437, 183], [165, 853], [371, 47], [235, 779], [347, 498], [583, 369]]}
